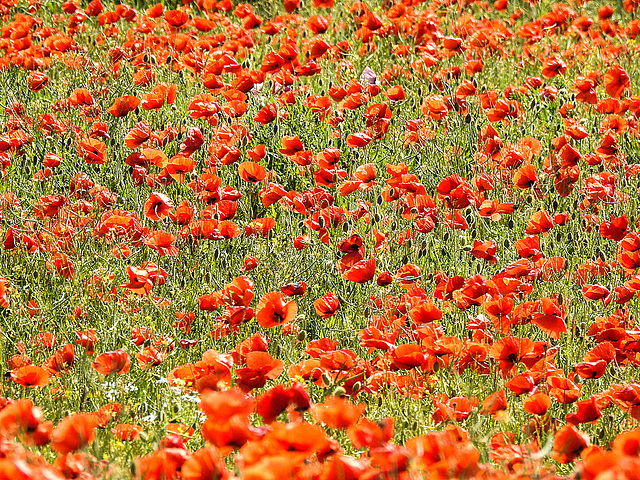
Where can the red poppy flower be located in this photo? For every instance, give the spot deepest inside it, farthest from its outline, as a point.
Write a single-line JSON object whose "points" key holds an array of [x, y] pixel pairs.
{"points": [[117, 361], [176, 18], [30, 376], [359, 139], [509, 351], [617, 81], [158, 206], [554, 65], [550, 318], [73, 433], [206, 463], [337, 412], [495, 404], [179, 165], [396, 93], [588, 412], [537, 404], [37, 81], [123, 105], [616, 229], [384, 279], [327, 305], [162, 242], [425, 312], [361, 271], [273, 310], [252, 172], [275, 400], [92, 151], [568, 443], [260, 226], [291, 289], [150, 357], [61, 361], [127, 432], [291, 146], [4, 298], [261, 366]]}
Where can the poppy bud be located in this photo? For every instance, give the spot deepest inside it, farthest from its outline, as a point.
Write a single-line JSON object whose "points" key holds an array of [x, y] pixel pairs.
{"points": [[326, 379], [379, 402], [340, 392], [356, 387], [302, 335]]}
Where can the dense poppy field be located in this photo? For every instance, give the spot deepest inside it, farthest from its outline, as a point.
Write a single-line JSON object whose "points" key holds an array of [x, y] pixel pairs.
{"points": [[319, 240]]}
